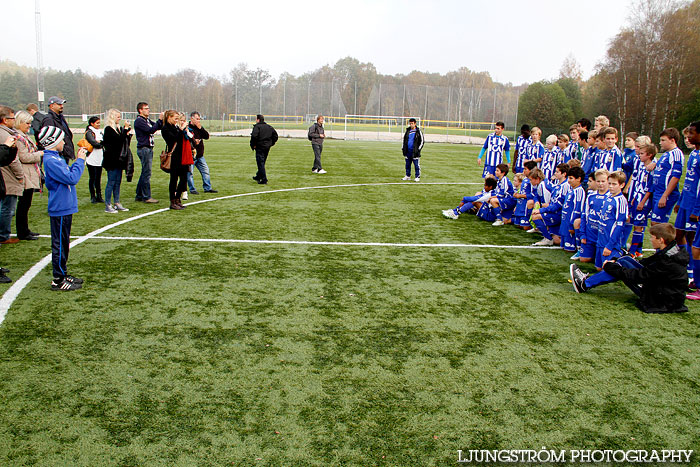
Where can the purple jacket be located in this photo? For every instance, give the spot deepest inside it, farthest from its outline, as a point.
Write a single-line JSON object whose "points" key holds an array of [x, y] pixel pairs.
{"points": [[144, 129]]}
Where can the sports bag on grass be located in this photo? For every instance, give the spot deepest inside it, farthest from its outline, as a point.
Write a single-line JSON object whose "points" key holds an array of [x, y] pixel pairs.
{"points": [[165, 157]]}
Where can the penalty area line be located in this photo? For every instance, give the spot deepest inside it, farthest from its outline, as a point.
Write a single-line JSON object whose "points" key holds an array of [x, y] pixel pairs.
{"points": [[322, 243]]}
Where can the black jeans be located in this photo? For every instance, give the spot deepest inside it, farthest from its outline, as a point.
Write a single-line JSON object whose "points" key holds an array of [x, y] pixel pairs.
{"points": [[95, 182], [261, 157], [318, 148], [178, 181], [24, 202], [60, 243]]}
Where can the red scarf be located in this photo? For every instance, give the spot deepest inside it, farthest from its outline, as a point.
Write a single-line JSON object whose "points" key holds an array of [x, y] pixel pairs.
{"points": [[186, 152]]}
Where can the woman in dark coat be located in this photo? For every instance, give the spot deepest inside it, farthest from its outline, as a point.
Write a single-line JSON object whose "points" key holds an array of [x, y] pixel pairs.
{"points": [[114, 140], [177, 139]]}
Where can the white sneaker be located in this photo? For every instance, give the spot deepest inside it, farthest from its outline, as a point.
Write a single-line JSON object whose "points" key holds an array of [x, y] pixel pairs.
{"points": [[418, 179], [119, 207], [406, 178], [314, 171], [544, 242], [532, 230], [450, 214], [321, 171], [110, 209], [498, 222], [184, 195]]}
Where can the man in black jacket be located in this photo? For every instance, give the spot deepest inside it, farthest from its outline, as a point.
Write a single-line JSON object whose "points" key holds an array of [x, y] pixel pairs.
{"points": [[200, 134], [412, 146], [660, 281], [8, 153], [55, 118], [262, 139], [33, 110]]}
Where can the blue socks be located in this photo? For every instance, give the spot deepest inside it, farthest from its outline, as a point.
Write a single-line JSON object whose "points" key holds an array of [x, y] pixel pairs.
{"points": [[539, 223]]}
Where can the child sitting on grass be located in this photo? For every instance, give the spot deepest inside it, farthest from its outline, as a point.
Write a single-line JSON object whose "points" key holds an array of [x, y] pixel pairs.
{"points": [[475, 202], [659, 281], [502, 201]]}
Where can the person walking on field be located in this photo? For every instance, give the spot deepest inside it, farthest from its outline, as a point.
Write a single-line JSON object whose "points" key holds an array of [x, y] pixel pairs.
{"points": [[144, 129], [412, 145], [262, 139], [317, 135]]}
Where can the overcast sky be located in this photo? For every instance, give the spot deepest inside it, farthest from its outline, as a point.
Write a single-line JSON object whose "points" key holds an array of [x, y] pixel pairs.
{"points": [[513, 43]]}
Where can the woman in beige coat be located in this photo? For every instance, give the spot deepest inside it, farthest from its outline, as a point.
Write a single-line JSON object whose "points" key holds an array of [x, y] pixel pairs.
{"points": [[30, 157], [13, 177]]}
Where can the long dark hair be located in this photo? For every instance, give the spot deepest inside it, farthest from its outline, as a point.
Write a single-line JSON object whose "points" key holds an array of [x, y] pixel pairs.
{"points": [[92, 120]]}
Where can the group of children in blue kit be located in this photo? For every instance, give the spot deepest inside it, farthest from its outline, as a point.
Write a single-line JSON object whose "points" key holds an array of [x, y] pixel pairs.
{"points": [[586, 195]]}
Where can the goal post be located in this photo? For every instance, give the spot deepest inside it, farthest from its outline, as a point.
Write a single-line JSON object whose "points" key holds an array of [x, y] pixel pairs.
{"points": [[375, 123]]}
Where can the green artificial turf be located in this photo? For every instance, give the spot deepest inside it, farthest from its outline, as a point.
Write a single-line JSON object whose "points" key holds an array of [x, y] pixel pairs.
{"points": [[201, 353]]}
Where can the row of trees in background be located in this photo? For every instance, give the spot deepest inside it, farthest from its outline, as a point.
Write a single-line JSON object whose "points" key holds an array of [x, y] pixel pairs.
{"points": [[348, 87], [647, 81]]}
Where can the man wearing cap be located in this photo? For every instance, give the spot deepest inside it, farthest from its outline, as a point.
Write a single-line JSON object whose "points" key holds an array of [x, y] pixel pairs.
{"points": [[63, 203], [55, 118]]}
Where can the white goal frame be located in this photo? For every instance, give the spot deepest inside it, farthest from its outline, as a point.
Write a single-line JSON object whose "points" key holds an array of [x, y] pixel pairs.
{"points": [[384, 123]]}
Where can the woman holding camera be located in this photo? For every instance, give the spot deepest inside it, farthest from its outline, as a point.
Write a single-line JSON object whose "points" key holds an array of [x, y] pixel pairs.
{"points": [[115, 137], [177, 140], [94, 136]]}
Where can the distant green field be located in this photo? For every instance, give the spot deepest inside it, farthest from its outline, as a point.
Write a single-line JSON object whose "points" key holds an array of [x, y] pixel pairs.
{"points": [[327, 326], [219, 125]]}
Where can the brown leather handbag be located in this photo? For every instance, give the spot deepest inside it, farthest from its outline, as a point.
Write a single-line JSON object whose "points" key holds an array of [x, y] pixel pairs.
{"points": [[165, 157]]}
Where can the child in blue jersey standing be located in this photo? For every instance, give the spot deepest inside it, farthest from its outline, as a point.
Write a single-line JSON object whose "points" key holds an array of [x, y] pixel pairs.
{"points": [[571, 211], [667, 174], [521, 149], [590, 220], [495, 146], [63, 203], [639, 192], [685, 225], [412, 146], [612, 220]]}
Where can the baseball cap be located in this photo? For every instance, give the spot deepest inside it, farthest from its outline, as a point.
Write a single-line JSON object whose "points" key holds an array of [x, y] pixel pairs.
{"points": [[56, 100]]}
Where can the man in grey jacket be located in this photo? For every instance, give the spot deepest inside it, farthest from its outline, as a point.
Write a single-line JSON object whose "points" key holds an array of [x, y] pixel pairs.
{"points": [[316, 135]]}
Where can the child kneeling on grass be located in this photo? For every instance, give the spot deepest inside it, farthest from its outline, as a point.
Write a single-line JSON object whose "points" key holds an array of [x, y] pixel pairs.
{"points": [[660, 281], [475, 202], [63, 203]]}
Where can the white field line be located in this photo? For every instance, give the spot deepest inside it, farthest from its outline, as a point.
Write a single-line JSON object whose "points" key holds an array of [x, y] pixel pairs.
{"points": [[16, 288], [304, 242]]}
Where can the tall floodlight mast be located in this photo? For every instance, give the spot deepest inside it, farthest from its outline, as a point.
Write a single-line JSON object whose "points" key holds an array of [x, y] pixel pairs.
{"points": [[39, 57]]}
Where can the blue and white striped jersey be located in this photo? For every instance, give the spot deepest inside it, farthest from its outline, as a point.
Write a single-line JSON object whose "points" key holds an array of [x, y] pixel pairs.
{"points": [[535, 151], [521, 145], [549, 163], [573, 205], [690, 184], [639, 182], [590, 220], [610, 160], [570, 152], [670, 165], [556, 201], [558, 155], [495, 147], [612, 222], [504, 189]]}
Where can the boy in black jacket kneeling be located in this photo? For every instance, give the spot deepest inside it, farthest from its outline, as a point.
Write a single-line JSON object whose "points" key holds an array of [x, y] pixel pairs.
{"points": [[660, 281]]}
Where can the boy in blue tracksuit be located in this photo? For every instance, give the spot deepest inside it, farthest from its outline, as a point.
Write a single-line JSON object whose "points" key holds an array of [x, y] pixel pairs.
{"points": [[63, 203], [612, 220], [590, 220]]}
